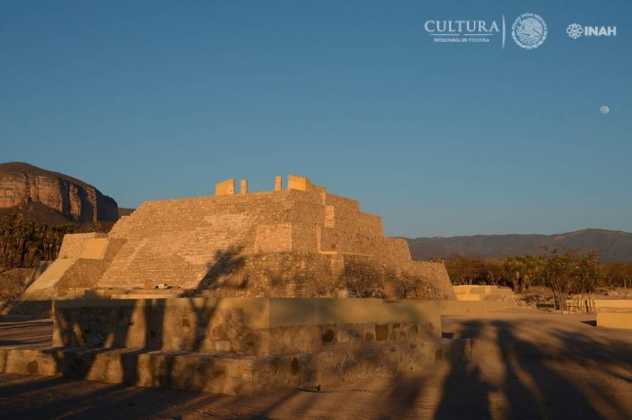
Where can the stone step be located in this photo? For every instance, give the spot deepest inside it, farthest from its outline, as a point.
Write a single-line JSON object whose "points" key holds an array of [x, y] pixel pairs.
{"points": [[215, 373], [225, 373]]}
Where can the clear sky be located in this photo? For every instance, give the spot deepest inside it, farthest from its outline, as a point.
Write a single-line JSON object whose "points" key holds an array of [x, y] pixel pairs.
{"points": [[160, 99]]}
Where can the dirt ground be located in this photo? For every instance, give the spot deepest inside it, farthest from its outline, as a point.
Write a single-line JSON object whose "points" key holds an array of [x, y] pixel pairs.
{"points": [[525, 365]]}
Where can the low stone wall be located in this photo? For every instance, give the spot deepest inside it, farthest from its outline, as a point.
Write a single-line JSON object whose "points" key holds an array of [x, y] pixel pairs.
{"points": [[233, 345], [253, 326], [614, 313], [224, 373], [459, 308], [476, 293]]}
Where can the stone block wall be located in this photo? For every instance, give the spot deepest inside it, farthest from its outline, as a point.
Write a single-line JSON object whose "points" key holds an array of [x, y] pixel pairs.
{"points": [[474, 293], [614, 313], [255, 326], [395, 251], [234, 346], [82, 260], [348, 230], [176, 241], [434, 273], [225, 373], [281, 274], [301, 183], [74, 245], [225, 187]]}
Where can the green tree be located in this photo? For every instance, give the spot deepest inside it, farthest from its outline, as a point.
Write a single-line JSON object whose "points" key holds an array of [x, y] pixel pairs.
{"points": [[558, 275]]}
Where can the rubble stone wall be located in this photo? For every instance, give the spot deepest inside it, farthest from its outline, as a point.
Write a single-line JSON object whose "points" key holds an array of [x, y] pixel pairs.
{"points": [[256, 326]]}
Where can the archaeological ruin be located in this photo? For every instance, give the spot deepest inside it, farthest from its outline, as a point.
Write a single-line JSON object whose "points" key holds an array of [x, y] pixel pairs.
{"points": [[240, 292], [298, 241]]}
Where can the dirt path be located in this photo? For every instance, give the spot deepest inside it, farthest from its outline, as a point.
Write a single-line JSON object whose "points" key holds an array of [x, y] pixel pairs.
{"points": [[523, 366]]}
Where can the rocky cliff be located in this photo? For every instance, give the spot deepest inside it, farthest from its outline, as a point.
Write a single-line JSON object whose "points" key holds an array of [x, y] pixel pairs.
{"points": [[22, 185]]}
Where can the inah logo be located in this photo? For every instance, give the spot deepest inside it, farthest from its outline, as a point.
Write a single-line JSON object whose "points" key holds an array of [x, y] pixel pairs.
{"points": [[529, 31], [575, 31]]}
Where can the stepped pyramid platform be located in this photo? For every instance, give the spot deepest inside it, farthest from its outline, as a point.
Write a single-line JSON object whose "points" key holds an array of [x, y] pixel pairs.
{"points": [[298, 241]]}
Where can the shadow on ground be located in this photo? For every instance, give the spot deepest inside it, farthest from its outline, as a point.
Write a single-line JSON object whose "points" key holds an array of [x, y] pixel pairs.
{"points": [[528, 369]]}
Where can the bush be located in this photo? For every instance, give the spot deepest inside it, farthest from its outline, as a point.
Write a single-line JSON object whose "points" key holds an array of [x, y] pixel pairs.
{"points": [[24, 243]]}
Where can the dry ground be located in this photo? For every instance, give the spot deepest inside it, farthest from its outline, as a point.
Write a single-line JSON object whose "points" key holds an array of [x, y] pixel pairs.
{"points": [[525, 365]]}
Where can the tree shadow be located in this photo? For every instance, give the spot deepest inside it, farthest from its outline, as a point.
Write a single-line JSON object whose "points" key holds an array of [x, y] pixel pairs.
{"points": [[538, 375], [403, 396], [464, 390], [67, 398], [557, 395], [30, 309], [222, 272]]}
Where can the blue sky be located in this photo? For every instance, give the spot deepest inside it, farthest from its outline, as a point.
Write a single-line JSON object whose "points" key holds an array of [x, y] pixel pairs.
{"points": [[160, 99]]}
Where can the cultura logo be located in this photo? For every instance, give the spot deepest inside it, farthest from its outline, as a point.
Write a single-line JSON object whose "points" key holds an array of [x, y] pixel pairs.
{"points": [[465, 31], [576, 31], [528, 31]]}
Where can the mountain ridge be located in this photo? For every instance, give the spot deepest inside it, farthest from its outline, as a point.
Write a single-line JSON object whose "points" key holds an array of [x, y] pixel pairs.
{"points": [[610, 245]]}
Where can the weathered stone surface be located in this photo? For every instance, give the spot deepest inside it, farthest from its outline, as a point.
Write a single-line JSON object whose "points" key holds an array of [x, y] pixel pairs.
{"points": [[21, 183], [226, 187], [278, 183], [243, 186]]}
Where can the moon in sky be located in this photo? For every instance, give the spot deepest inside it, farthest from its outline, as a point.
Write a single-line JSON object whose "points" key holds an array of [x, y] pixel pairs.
{"points": [[604, 109]]}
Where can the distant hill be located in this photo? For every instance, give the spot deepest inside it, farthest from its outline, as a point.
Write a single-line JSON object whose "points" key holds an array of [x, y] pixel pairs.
{"points": [[38, 207], [610, 245], [51, 197]]}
